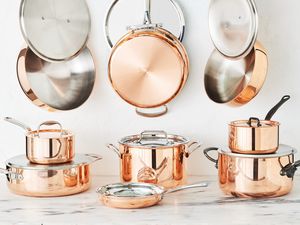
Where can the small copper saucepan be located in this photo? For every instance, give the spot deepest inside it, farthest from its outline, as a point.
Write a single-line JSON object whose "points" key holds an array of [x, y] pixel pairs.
{"points": [[47, 146], [154, 157], [137, 195], [255, 176], [255, 136]]}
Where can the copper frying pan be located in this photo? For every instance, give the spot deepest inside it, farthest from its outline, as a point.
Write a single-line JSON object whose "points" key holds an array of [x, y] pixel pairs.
{"points": [[149, 65]]}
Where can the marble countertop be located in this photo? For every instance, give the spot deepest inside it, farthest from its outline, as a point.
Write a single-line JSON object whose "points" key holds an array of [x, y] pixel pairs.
{"points": [[207, 206]]}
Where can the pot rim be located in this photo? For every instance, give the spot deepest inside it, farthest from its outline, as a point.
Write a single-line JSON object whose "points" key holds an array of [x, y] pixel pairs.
{"points": [[283, 150], [236, 123], [64, 134], [21, 162]]}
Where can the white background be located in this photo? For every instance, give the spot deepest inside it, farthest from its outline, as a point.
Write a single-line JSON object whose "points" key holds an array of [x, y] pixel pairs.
{"points": [[104, 118]]}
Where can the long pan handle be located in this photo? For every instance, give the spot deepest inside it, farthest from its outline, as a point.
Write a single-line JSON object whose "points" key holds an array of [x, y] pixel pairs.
{"points": [[277, 106]]}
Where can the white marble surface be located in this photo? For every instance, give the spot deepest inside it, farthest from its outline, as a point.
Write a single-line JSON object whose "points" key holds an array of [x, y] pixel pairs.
{"points": [[199, 207]]}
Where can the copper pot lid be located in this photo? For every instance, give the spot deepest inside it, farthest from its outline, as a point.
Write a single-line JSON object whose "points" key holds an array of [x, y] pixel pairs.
{"points": [[283, 150], [146, 69], [56, 30], [153, 139], [21, 162], [254, 123], [56, 86], [233, 26]]}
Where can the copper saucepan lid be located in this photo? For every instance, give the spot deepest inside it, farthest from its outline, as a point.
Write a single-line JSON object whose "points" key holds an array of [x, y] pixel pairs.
{"points": [[233, 26], [137, 195], [55, 30]]}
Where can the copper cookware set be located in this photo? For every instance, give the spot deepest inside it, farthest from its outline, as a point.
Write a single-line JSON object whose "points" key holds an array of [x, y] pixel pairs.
{"points": [[148, 67]]}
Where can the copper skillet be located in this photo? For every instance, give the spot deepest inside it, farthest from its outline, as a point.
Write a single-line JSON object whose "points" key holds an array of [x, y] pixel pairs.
{"points": [[148, 66], [56, 86], [137, 195]]}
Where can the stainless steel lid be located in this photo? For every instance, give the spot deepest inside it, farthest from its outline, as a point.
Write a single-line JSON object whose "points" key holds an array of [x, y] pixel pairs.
{"points": [[130, 190], [153, 139], [22, 162], [283, 150], [233, 26], [55, 30]]}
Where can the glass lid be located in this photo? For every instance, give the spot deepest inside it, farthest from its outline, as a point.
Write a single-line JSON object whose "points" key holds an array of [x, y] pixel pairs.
{"points": [[233, 26], [283, 150], [22, 162], [129, 190], [65, 22], [150, 139]]}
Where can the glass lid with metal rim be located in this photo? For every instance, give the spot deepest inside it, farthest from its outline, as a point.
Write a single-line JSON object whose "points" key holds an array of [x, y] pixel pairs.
{"points": [[22, 162], [153, 139], [65, 22], [233, 26], [283, 150], [130, 190]]}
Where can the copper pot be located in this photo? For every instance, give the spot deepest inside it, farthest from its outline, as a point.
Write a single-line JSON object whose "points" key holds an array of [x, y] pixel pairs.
{"points": [[255, 136], [154, 157], [47, 146], [248, 175], [148, 66], [25, 178]]}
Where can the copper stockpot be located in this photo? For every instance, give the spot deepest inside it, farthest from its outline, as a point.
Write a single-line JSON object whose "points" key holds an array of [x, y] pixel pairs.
{"points": [[255, 136], [248, 175], [25, 178], [47, 146], [154, 157]]}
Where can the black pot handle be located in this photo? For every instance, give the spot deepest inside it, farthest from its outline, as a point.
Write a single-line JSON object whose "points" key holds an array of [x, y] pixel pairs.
{"points": [[252, 120], [207, 150], [290, 169], [276, 107]]}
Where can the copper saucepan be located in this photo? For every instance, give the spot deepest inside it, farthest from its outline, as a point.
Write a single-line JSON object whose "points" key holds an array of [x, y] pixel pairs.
{"points": [[148, 66], [154, 157], [137, 195], [47, 146], [25, 178], [256, 176], [256, 136]]}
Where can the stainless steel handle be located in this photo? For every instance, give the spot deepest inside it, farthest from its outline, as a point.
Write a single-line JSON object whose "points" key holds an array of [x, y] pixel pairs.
{"points": [[143, 112], [95, 157], [50, 123], [11, 175], [114, 148], [206, 151], [192, 146], [18, 123], [147, 18], [197, 185]]}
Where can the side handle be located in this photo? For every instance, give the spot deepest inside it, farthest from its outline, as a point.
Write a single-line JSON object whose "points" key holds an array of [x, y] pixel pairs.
{"points": [[290, 169], [206, 153], [114, 148]]}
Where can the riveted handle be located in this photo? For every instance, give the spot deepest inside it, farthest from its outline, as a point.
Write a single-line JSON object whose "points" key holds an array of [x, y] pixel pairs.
{"points": [[11, 175], [206, 153]]}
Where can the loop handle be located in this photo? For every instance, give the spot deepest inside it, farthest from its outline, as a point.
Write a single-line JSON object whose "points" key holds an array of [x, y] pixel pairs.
{"points": [[252, 120], [290, 169], [50, 123], [143, 112], [207, 150], [114, 148], [191, 147]]}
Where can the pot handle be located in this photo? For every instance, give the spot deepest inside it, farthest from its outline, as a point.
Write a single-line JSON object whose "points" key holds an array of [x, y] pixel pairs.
{"points": [[96, 157], [207, 150], [290, 169], [254, 119], [143, 112], [12, 175], [191, 147], [277, 106], [114, 148], [50, 123]]}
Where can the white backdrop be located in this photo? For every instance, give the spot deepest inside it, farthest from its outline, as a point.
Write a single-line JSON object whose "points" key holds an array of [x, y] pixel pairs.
{"points": [[104, 118]]}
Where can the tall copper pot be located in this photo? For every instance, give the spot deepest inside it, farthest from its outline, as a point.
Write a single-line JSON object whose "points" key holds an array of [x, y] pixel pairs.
{"points": [[154, 157]]}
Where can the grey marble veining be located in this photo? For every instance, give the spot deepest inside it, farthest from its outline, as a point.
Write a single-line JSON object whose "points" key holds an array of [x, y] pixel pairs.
{"points": [[191, 207]]}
